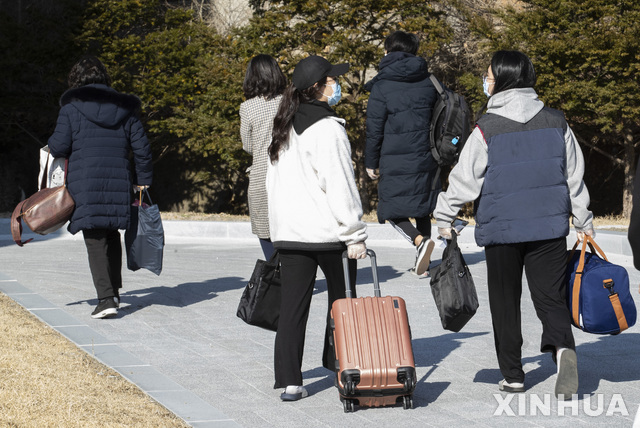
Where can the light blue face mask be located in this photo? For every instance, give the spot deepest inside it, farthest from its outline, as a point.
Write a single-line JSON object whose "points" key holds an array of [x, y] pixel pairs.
{"points": [[337, 94], [485, 86]]}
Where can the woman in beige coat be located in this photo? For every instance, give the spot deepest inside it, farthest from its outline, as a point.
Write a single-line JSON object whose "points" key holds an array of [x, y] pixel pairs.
{"points": [[263, 86]]}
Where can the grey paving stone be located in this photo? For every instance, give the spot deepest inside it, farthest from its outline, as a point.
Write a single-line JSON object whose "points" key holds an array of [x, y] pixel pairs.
{"points": [[189, 406], [148, 378], [56, 317], [112, 355]]}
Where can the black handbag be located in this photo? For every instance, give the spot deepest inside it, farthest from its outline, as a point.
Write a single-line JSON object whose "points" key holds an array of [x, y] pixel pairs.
{"points": [[453, 288], [260, 301]]}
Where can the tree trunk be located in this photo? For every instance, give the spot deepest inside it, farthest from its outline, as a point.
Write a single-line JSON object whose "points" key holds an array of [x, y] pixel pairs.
{"points": [[629, 175]]}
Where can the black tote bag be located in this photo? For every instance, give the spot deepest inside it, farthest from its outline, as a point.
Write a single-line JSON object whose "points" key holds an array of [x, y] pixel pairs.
{"points": [[144, 239], [453, 288], [260, 301]]}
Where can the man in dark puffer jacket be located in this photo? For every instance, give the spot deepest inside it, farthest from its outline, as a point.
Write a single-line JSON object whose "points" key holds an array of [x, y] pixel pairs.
{"points": [[97, 129], [398, 119]]}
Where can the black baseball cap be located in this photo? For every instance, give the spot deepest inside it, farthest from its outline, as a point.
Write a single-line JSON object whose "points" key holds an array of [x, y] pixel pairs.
{"points": [[313, 69]]}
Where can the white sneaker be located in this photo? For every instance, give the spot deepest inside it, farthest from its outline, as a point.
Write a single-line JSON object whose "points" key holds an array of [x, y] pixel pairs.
{"points": [[567, 380], [510, 386], [424, 275], [423, 258], [294, 393]]}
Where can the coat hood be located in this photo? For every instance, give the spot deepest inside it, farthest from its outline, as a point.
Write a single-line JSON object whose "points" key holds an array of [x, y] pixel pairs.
{"points": [[101, 104], [519, 105], [400, 67], [310, 113]]}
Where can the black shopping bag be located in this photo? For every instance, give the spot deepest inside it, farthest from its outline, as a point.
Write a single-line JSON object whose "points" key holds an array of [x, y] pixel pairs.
{"points": [[260, 301], [453, 288], [144, 239]]}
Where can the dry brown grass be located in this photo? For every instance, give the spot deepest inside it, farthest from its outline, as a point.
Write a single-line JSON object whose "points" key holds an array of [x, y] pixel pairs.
{"points": [[46, 381]]}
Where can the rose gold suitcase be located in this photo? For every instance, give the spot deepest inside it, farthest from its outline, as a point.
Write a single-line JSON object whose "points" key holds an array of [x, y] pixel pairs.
{"points": [[372, 342]]}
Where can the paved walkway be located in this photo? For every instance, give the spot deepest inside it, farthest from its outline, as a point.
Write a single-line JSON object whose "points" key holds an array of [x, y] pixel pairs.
{"points": [[177, 337]]}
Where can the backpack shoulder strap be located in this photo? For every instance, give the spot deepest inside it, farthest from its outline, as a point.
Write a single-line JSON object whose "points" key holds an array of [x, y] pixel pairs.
{"points": [[437, 84]]}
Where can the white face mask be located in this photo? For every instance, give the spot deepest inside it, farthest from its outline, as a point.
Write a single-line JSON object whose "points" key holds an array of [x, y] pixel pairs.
{"points": [[337, 94], [485, 86]]}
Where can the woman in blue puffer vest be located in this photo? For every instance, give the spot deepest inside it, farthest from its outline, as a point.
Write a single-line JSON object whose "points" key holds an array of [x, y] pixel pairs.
{"points": [[523, 168], [97, 130]]}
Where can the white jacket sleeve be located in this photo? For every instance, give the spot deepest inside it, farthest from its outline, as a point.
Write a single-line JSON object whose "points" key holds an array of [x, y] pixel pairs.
{"points": [[465, 180], [582, 217], [336, 177]]}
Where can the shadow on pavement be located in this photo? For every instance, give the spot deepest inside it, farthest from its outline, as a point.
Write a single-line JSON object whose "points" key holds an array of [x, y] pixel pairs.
{"points": [[606, 359], [181, 295]]}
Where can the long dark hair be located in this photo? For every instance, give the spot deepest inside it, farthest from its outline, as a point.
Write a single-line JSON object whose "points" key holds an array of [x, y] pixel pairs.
{"points": [[86, 71], [282, 123], [512, 69], [263, 77]]}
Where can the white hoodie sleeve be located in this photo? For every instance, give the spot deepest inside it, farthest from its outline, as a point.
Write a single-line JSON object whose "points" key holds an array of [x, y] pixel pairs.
{"points": [[582, 217], [465, 180]]}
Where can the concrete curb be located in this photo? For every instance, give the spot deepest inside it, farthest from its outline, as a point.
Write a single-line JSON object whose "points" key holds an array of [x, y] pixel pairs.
{"points": [[613, 242]]}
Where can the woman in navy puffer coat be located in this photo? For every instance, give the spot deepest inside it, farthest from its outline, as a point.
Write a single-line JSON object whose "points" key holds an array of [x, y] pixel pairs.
{"points": [[97, 129]]}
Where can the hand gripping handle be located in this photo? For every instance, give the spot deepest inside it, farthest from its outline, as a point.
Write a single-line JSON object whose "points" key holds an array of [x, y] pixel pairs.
{"points": [[374, 269]]}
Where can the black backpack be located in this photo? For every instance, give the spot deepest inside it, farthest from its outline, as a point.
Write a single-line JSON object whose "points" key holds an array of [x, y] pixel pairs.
{"points": [[450, 125]]}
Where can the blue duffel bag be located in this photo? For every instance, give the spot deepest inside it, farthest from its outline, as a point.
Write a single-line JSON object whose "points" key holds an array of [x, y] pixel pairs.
{"points": [[598, 292]]}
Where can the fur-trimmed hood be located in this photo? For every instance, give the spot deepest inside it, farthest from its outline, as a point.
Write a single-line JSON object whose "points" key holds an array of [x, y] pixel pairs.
{"points": [[101, 104]]}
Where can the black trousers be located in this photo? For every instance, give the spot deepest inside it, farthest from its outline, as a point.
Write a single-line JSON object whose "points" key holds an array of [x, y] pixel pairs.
{"points": [[544, 263], [411, 232], [298, 272], [105, 260]]}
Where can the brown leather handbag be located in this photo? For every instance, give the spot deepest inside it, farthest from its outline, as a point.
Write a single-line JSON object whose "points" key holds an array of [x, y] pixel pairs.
{"points": [[44, 212]]}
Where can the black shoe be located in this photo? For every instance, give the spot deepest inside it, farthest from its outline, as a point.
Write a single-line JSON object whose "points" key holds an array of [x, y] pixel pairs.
{"points": [[106, 308], [423, 256], [294, 393]]}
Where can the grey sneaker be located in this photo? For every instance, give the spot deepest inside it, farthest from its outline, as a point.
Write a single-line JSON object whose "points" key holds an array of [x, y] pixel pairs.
{"points": [[510, 386], [294, 393], [567, 380], [106, 308], [423, 258]]}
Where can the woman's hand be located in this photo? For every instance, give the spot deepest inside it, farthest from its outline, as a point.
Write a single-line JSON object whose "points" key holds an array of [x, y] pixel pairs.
{"points": [[137, 188], [357, 250], [445, 232], [580, 234], [372, 174]]}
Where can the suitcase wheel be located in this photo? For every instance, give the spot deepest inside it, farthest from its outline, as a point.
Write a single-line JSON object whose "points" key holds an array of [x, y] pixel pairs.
{"points": [[349, 406], [350, 388], [407, 402]]}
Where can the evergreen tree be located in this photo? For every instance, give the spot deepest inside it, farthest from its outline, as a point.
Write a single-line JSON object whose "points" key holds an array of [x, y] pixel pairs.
{"points": [[587, 58]]}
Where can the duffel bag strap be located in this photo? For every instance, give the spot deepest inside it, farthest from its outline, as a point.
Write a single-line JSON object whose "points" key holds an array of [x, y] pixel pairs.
{"points": [[592, 244], [575, 300], [617, 306]]}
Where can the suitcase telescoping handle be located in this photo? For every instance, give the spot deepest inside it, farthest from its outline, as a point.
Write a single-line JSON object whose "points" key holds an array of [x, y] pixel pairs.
{"points": [[374, 269]]}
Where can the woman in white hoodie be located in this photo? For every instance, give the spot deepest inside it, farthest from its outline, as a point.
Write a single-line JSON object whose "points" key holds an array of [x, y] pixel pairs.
{"points": [[315, 211], [523, 168]]}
